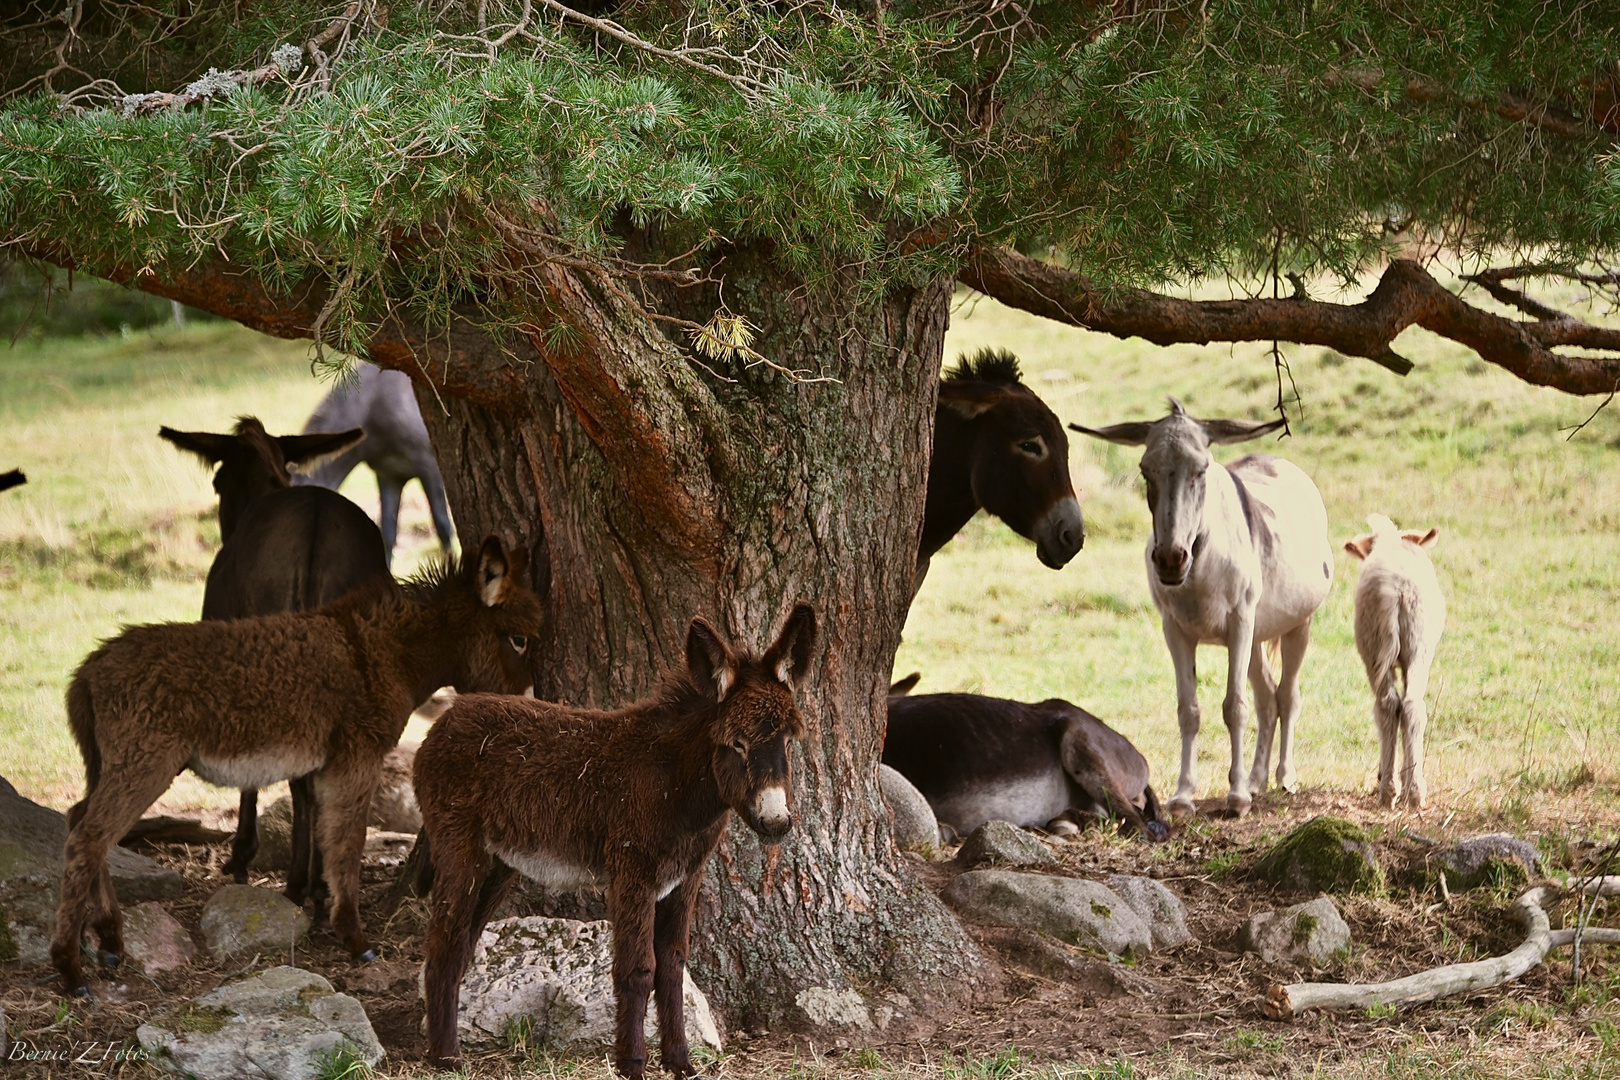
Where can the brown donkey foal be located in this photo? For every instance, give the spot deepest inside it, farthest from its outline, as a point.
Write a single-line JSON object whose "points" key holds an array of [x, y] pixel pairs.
{"points": [[248, 702], [632, 802]]}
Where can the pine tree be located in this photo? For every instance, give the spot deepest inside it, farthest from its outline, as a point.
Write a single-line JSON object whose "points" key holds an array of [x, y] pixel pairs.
{"points": [[673, 281]]}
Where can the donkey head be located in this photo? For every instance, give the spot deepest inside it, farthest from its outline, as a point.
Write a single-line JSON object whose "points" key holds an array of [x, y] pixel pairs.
{"points": [[490, 619], [1384, 529], [1020, 454], [755, 718], [1175, 465], [253, 463]]}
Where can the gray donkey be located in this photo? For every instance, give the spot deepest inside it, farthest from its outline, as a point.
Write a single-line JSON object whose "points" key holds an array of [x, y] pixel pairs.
{"points": [[396, 445]]}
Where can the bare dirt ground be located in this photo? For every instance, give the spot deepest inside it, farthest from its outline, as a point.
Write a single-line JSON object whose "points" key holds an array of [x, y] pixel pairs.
{"points": [[1195, 1011]]}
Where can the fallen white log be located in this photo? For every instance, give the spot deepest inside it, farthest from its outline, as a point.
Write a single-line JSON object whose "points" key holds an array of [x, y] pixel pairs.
{"points": [[1592, 935]]}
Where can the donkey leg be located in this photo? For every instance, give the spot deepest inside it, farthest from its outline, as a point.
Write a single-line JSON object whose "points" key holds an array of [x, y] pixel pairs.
{"points": [[1293, 646], [388, 494], [343, 792], [245, 844], [304, 880], [1265, 716], [1414, 718], [672, 926], [105, 815], [631, 907], [433, 486], [1234, 708], [448, 948], [1183, 653]]}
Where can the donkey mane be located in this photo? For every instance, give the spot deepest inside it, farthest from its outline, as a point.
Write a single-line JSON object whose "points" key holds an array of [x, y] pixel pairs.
{"points": [[986, 365], [251, 430]]}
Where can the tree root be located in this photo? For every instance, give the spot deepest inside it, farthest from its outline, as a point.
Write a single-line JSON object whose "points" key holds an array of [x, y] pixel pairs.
{"points": [[1284, 1002]]}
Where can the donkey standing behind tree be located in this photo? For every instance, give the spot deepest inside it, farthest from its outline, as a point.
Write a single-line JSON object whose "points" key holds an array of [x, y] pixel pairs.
{"points": [[252, 701], [1400, 615], [1240, 556], [631, 801]]}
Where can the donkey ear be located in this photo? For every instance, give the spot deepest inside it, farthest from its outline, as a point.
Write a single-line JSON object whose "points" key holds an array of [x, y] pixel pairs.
{"points": [[1424, 540], [905, 685], [1231, 431], [789, 658], [206, 445], [709, 659], [969, 400], [1130, 433], [305, 453], [1361, 546], [495, 577]]}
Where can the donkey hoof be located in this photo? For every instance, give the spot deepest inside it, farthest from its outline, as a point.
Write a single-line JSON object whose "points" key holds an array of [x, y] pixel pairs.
{"points": [[1181, 808], [1239, 805], [109, 959], [366, 957], [1158, 830], [82, 993]]}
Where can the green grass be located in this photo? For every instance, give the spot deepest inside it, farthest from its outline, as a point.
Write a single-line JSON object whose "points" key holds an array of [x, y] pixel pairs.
{"points": [[1528, 675], [115, 526]]}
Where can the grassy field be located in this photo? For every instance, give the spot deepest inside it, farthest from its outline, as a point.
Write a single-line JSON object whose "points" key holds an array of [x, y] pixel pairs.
{"points": [[115, 526]]}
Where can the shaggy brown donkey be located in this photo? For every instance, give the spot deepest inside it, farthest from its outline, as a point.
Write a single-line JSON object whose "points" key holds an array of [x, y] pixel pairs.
{"points": [[252, 701], [632, 802]]}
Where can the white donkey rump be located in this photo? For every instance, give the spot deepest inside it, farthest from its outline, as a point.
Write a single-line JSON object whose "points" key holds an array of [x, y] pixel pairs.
{"points": [[1240, 556]]}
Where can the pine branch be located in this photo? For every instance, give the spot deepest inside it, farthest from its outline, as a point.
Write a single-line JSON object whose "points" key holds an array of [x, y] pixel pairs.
{"points": [[1406, 296]]}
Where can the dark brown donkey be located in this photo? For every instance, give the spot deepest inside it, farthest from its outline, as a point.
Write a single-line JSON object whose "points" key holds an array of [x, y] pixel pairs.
{"points": [[284, 549], [325, 692], [632, 802], [998, 446]]}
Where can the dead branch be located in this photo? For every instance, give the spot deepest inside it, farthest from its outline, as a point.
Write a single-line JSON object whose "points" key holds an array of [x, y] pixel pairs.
{"points": [[1406, 295], [1284, 1002]]}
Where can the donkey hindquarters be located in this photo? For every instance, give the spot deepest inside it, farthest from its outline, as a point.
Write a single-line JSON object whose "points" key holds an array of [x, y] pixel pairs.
{"points": [[325, 692], [632, 801]]}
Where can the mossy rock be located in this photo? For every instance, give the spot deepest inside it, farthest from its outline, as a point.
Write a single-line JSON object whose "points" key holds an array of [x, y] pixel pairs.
{"points": [[1326, 854], [1496, 861]]}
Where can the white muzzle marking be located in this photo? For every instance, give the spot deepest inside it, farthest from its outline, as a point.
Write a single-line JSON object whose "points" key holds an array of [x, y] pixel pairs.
{"points": [[771, 805]]}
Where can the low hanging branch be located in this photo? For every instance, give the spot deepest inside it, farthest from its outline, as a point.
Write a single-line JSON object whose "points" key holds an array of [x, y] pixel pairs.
{"points": [[1406, 296], [1284, 1002]]}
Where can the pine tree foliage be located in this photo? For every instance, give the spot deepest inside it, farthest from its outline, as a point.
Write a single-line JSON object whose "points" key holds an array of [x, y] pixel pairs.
{"points": [[407, 157]]}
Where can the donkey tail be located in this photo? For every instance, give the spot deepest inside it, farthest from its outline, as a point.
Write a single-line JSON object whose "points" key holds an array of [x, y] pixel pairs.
{"points": [[82, 722]]}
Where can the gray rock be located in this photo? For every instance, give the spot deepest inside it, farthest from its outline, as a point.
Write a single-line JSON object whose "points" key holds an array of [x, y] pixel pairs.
{"points": [[393, 808], [1326, 854], [275, 836], [1481, 860], [31, 841], [1311, 933], [1157, 905], [914, 823], [281, 1025], [1001, 843], [154, 940], [555, 976], [245, 918], [1086, 913]]}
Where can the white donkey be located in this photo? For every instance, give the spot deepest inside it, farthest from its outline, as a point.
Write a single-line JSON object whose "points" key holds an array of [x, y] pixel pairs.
{"points": [[1400, 615], [1240, 556]]}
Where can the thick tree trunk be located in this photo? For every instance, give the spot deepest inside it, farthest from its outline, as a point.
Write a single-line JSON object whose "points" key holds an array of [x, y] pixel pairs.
{"points": [[654, 492]]}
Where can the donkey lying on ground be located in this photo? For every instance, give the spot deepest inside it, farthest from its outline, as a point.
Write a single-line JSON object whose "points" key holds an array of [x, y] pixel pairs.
{"points": [[1400, 614], [1239, 556], [249, 702], [978, 759], [632, 802], [997, 446], [396, 445], [285, 549]]}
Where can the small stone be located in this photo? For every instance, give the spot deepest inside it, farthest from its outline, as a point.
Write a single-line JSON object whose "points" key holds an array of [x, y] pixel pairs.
{"points": [[1311, 933], [554, 977], [1326, 854], [245, 918], [154, 940], [1001, 843], [1489, 859], [1085, 913], [1157, 905], [393, 808], [285, 1024], [275, 836], [915, 827]]}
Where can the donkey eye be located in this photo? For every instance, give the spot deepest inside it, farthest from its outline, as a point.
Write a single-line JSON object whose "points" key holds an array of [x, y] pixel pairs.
{"points": [[741, 748], [519, 643], [1030, 447]]}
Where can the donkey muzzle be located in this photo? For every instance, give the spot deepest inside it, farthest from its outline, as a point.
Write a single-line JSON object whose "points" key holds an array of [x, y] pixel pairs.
{"points": [[772, 818], [1061, 533], [1172, 563]]}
